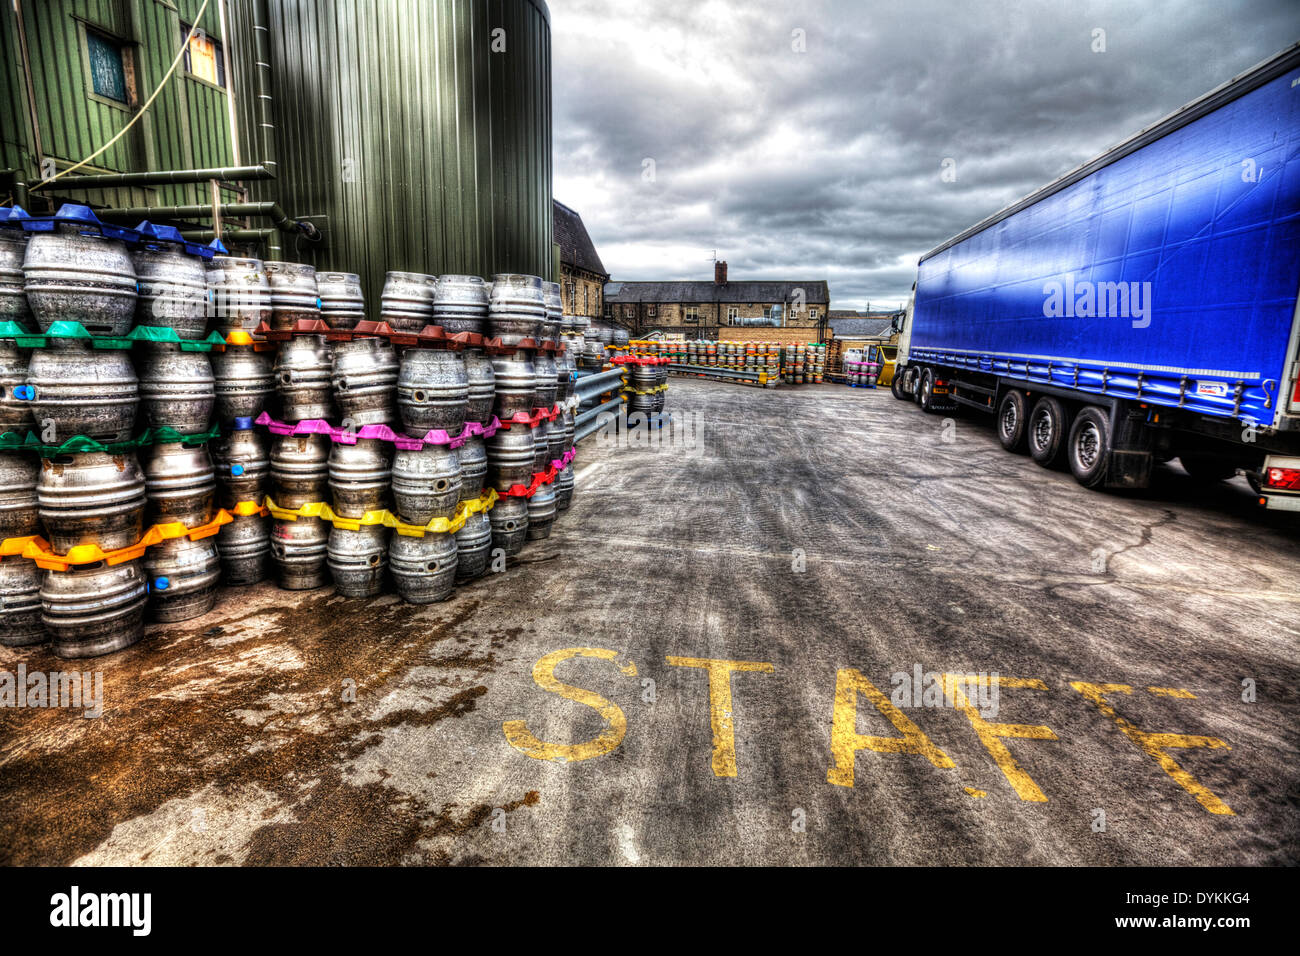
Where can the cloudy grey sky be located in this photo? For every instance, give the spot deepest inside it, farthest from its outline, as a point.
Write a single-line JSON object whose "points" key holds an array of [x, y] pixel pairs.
{"points": [[827, 163]]}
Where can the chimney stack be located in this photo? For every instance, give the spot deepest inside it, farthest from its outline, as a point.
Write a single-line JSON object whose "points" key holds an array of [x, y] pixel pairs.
{"points": [[719, 272]]}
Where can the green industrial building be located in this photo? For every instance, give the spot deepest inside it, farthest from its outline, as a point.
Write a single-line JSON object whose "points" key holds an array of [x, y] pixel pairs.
{"points": [[361, 136]]}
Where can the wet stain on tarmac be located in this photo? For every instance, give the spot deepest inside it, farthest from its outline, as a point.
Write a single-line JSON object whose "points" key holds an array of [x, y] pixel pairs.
{"points": [[256, 700]]}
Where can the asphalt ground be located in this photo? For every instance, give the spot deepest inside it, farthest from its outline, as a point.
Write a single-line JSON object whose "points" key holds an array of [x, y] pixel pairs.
{"points": [[1134, 700]]}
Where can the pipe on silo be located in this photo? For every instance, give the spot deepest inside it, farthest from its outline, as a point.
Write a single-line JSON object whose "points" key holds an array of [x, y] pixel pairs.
{"points": [[265, 104]]}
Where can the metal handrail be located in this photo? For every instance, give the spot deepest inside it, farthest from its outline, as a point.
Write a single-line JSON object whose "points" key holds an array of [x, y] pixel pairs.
{"points": [[597, 383]]}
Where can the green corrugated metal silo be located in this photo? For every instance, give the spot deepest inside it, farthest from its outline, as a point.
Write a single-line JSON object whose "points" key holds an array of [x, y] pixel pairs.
{"points": [[415, 133]]}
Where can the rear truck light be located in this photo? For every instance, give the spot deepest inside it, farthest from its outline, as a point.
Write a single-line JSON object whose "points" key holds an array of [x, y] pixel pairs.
{"points": [[1282, 479], [1295, 396]]}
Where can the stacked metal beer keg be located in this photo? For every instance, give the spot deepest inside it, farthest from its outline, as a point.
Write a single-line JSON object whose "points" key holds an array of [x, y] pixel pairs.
{"points": [[78, 514], [295, 436], [20, 578], [244, 377]]}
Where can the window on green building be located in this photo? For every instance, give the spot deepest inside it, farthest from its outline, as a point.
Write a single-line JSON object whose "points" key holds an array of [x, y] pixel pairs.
{"points": [[107, 67], [203, 57]]}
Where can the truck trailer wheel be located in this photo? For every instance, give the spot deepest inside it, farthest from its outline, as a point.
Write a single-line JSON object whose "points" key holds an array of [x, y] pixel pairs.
{"points": [[1013, 419], [925, 391], [896, 385], [1088, 449], [1048, 427]]}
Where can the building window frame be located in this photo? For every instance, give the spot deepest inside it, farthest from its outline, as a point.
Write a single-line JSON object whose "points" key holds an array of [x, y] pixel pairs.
{"points": [[650, 310], [222, 82], [733, 313], [126, 52], [691, 314]]}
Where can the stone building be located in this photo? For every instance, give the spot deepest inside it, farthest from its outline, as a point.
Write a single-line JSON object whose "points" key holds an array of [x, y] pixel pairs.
{"points": [[722, 308], [582, 274]]}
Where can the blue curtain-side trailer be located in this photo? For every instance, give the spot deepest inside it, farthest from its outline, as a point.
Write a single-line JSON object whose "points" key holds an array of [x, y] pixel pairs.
{"points": [[1140, 308]]}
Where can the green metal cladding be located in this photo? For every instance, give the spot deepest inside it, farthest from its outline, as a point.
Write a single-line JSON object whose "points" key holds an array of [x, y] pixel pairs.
{"points": [[416, 134], [410, 142], [187, 127]]}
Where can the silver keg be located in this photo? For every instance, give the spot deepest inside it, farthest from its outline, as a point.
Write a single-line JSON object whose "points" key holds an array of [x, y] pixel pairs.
{"points": [[342, 304], [243, 381], [239, 294], [426, 483], [83, 392], [94, 609], [541, 513], [509, 519], [460, 304], [183, 578], [294, 295], [20, 603], [473, 546], [359, 477], [18, 503], [177, 388], [516, 308], [242, 465], [244, 547], [91, 498], [173, 288], [303, 377], [180, 484], [364, 377], [432, 391], [299, 550], [81, 277], [357, 560], [424, 569], [516, 384], [407, 301]]}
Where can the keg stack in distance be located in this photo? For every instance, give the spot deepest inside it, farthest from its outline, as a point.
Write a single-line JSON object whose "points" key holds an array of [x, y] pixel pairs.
{"points": [[175, 420]]}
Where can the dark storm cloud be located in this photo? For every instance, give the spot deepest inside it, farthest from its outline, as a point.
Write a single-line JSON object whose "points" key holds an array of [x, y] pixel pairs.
{"points": [[826, 164]]}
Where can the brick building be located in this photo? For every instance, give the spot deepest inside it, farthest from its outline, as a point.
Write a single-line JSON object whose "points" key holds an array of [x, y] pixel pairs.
{"points": [[582, 274], [721, 308], [874, 325]]}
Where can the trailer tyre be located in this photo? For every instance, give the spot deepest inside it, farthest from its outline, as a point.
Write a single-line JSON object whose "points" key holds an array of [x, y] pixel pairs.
{"points": [[1049, 426], [925, 391], [1089, 446], [1013, 421], [896, 385]]}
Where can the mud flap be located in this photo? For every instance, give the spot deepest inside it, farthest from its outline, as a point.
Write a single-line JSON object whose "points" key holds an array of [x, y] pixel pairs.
{"points": [[1132, 446]]}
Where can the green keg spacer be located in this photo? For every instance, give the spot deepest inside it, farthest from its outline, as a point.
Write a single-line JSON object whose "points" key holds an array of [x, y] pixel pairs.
{"points": [[68, 329], [12, 441]]}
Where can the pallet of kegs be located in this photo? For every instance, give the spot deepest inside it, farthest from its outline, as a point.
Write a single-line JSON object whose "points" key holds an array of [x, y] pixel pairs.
{"points": [[861, 374], [803, 363]]}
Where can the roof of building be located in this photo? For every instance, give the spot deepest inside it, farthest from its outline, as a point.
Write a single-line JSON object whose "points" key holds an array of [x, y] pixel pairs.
{"points": [[851, 327], [755, 291], [576, 247]]}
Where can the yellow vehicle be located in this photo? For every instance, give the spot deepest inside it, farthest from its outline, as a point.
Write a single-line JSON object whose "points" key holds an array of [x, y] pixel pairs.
{"points": [[885, 355]]}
